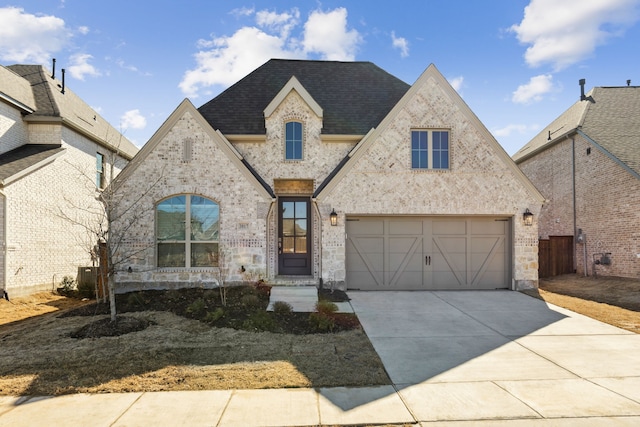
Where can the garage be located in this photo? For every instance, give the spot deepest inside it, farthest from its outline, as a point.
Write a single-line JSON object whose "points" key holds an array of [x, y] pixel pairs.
{"points": [[427, 253]]}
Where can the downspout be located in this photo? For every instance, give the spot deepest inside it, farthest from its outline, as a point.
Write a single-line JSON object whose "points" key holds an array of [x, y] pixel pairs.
{"points": [[573, 177], [4, 245], [315, 205], [269, 238]]}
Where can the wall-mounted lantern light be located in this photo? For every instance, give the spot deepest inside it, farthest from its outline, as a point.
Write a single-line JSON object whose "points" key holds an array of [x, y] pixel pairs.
{"points": [[333, 216], [527, 218]]}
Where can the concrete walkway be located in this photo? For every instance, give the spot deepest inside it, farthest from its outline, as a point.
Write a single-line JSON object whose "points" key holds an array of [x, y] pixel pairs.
{"points": [[494, 358]]}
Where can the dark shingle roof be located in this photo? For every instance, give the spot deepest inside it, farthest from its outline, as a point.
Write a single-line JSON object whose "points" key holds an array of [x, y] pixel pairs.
{"points": [[22, 158], [354, 96], [611, 121]]}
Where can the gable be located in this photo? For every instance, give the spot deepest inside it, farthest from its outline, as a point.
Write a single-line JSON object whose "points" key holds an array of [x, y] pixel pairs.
{"points": [[186, 110], [293, 85], [432, 103]]}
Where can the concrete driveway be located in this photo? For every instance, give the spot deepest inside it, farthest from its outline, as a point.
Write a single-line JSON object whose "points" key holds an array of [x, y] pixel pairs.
{"points": [[502, 355]]}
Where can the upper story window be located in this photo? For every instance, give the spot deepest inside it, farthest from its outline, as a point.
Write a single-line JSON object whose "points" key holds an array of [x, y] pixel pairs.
{"points": [[430, 149], [100, 178], [187, 231], [293, 141]]}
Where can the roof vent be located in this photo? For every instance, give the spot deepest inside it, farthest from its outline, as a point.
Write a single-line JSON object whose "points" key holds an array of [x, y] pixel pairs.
{"points": [[628, 82], [53, 73], [62, 91], [581, 82]]}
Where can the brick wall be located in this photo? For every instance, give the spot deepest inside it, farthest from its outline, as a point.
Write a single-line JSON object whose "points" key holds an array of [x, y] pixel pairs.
{"points": [[209, 173], [42, 245], [478, 183], [607, 204], [381, 182], [13, 131]]}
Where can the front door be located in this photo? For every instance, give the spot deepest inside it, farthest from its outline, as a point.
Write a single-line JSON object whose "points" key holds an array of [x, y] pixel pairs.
{"points": [[294, 236]]}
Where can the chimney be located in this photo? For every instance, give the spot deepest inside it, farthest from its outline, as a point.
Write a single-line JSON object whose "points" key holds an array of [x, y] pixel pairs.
{"points": [[582, 95], [53, 73]]}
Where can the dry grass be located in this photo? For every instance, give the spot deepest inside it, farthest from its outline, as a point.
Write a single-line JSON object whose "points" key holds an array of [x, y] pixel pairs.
{"points": [[611, 300], [38, 356]]}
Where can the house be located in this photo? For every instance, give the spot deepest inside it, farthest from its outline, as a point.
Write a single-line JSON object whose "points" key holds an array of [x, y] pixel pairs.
{"points": [[55, 154], [587, 164], [332, 174]]}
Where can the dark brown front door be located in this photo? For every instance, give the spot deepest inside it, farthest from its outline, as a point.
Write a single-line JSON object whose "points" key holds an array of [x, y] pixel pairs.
{"points": [[294, 238]]}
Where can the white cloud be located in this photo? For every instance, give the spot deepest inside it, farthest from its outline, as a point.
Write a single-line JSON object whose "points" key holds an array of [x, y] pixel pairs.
{"points": [[224, 60], [565, 32], [283, 23], [30, 38], [457, 83], [80, 66], [533, 91], [514, 128], [83, 30], [400, 43], [326, 33], [132, 119]]}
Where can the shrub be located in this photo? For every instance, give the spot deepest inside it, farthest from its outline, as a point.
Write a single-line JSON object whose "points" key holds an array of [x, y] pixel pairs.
{"points": [[196, 308], [326, 307], [214, 316], [322, 322], [282, 308], [259, 321]]}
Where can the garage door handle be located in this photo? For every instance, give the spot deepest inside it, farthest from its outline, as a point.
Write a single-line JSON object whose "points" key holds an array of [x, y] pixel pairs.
{"points": [[427, 260]]}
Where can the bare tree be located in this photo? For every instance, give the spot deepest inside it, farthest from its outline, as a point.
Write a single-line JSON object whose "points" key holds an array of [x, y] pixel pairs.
{"points": [[107, 224]]}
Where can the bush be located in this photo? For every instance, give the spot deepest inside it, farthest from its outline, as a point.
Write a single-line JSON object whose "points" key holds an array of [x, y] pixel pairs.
{"points": [[259, 321], [282, 308], [322, 322], [196, 308], [214, 316], [326, 307]]}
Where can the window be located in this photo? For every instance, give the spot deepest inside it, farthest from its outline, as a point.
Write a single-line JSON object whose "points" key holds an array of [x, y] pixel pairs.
{"points": [[430, 149], [187, 231], [293, 141], [100, 179]]}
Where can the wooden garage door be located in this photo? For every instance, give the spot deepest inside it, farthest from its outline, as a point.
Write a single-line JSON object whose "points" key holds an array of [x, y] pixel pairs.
{"points": [[402, 253]]}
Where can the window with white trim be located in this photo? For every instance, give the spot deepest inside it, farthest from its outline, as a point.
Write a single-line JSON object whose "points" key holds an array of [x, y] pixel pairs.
{"points": [[293, 141], [187, 231], [430, 149]]}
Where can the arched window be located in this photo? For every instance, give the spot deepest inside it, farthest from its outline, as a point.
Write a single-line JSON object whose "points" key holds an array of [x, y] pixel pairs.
{"points": [[187, 231], [293, 141]]}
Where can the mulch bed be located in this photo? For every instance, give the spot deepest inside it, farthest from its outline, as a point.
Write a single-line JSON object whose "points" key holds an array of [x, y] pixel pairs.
{"points": [[245, 309]]}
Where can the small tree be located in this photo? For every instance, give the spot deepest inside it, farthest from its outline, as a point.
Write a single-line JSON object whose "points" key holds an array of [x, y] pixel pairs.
{"points": [[107, 224]]}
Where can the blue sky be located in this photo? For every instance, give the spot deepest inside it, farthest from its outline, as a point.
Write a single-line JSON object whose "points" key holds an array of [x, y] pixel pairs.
{"points": [[516, 63]]}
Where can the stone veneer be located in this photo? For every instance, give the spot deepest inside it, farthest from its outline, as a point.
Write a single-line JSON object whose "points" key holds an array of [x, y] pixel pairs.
{"points": [[379, 181]]}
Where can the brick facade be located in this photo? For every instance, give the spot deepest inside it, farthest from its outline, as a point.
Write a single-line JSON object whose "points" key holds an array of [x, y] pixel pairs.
{"points": [[482, 180], [41, 245], [607, 207]]}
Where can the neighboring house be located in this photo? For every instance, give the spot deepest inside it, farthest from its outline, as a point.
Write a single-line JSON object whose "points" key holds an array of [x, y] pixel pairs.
{"points": [[587, 164], [55, 154], [332, 174]]}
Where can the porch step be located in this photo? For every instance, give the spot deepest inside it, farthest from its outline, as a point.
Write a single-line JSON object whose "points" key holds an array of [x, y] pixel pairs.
{"points": [[295, 281], [301, 298]]}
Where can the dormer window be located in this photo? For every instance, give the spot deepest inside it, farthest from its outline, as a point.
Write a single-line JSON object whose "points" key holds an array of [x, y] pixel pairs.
{"points": [[293, 141]]}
